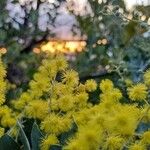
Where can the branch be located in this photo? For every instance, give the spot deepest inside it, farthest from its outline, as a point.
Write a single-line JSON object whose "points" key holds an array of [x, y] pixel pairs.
{"points": [[33, 43], [101, 74]]}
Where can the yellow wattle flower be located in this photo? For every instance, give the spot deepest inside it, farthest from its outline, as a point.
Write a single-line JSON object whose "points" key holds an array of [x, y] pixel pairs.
{"points": [[146, 138], [48, 141], [66, 103], [71, 78], [2, 130], [128, 82], [88, 138], [137, 147], [8, 121], [2, 83], [138, 92], [90, 85], [114, 95], [114, 143], [37, 109], [106, 85], [55, 124], [7, 118], [81, 100]]}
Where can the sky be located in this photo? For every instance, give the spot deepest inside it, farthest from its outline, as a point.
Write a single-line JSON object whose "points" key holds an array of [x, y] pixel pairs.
{"points": [[131, 3], [65, 20]]}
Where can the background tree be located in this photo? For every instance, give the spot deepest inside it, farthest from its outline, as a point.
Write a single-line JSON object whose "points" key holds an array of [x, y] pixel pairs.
{"points": [[112, 36], [115, 40]]}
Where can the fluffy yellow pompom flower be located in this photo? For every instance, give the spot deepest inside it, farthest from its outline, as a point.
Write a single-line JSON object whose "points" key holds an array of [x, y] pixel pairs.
{"points": [[83, 116], [114, 143], [138, 92], [51, 124], [4, 110], [89, 137], [71, 78], [90, 85], [2, 69], [6, 115], [61, 63], [8, 121], [2, 130], [128, 82], [37, 109], [124, 125], [55, 124], [38, 87], [81, 99], [116, 94], [106, 85], [146, 137], [54, 104], [124, 120], [49, 68], [2, 83], [48, 141], [147, 77], [81, 88], [22, 102], [64, 89], [111, 96], [74, 145], [137, 147], [66, 103]]}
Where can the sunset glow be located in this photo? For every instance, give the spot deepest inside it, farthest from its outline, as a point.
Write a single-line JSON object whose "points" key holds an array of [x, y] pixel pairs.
{"points": [[61, 46]]}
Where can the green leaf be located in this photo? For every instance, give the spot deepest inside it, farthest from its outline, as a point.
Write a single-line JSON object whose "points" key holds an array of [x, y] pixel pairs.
{"points": [[28, 124], [36, 137], [7, 143], [55, 147], [129, 32], [23, 138], [33, 17], [3, 35]]}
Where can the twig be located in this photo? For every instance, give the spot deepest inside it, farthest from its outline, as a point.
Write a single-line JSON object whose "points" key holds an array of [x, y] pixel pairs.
{"points": [[97, 75]]}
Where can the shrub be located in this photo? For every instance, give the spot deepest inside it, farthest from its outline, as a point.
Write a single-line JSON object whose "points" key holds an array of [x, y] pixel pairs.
{"points": [[56, 112]]}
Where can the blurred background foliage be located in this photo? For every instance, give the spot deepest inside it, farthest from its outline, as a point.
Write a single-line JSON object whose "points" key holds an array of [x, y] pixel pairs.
{"points": [[117, 39], [125, 45]]}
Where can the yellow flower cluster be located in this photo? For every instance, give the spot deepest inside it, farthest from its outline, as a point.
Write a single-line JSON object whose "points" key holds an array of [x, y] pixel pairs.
{"points": [[57, 100], [138, 92], [2, 83], [54, 97], [107, 125], [1, 131], [7, 118], [49, 140]]}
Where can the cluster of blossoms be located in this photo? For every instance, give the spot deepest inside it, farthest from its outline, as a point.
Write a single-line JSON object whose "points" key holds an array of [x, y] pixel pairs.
{"points": [[57, 101], [7, 117]]}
